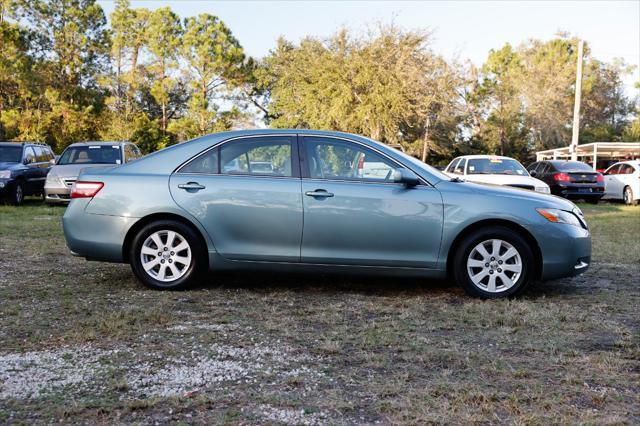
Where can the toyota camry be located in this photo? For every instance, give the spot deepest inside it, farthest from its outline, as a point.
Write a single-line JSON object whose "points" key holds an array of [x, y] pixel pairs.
{"points": [[310, 201]]}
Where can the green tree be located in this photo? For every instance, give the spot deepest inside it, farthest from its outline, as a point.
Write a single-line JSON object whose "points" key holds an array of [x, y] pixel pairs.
{"points": [[387, 85], [214, 58], [163, 34], [498, 94]]}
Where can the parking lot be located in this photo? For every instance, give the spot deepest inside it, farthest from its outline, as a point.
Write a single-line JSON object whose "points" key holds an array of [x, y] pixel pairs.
{"points": [[85, 341]]}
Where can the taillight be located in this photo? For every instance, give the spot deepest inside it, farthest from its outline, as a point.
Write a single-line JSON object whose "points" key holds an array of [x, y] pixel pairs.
{"points": [[562, 177], [82, 189], [600, 178]]}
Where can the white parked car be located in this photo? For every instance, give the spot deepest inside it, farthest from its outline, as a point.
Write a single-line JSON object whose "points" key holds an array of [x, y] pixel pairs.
{"points": [[495, 170], [622, 182]]}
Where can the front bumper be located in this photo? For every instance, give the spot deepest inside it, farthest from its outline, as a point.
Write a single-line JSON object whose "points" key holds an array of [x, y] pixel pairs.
{"points": [[94, 236], [57, 194], [566, 250], [7, 187]]}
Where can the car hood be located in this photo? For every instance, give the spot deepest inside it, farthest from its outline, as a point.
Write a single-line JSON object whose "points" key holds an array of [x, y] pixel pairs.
{"points": [[543, 200], [7, 166], [73, 170], [505, 180]]}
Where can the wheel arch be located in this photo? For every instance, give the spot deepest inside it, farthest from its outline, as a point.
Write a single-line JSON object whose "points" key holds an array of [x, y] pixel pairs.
{"points": [[131, 233], [523, 232]]}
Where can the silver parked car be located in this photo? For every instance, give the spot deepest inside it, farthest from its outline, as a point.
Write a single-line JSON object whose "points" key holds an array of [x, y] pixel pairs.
{"points": [[80, 156]]}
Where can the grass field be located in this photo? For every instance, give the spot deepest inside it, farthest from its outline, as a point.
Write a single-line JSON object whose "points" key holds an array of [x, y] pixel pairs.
{"points": [[84, 342]]}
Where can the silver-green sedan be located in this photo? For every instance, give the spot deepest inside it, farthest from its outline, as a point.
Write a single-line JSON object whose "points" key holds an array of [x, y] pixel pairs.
{"points": [[301, 200]]}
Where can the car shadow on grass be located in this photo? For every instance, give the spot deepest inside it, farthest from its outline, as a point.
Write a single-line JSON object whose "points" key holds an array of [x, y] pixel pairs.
{"points": [[327, 283]]}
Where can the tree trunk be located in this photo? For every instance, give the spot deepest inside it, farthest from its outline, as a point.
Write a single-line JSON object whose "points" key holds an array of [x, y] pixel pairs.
{"points": [[203, 112], [425, 143]]}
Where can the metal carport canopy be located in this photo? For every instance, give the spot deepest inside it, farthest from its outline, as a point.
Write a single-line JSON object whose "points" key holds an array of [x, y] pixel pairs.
{"points": [[595, 150]]}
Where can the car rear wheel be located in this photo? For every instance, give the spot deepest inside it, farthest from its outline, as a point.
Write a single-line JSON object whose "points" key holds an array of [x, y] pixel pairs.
{"points": [[493, 262], [627, 196], [167, 255]]}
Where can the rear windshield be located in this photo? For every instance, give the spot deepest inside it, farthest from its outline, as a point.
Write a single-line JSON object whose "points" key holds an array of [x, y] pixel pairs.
{"points": [[495, 166], [568, 166], [91, 154], [10, 154]]}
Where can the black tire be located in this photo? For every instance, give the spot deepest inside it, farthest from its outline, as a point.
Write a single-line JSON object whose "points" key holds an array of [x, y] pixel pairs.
{"points": [[464, 248], [627, 196], [197, 267], [17, 197]]}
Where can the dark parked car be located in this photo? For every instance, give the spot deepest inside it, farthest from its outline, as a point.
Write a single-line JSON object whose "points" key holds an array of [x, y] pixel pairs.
{"points": [[570, 179], [23, 169]]}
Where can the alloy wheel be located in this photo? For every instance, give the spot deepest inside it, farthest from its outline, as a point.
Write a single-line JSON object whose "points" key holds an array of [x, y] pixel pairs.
{"points": [[165, 255], [19, 194], [494, 265]]}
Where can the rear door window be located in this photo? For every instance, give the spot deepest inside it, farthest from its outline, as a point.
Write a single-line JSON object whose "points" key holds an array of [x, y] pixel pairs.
{"points": [[264, 156], [626, 170]]}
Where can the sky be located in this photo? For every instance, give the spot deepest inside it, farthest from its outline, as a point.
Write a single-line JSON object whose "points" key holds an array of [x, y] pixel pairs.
{"points": [[461, 29]]}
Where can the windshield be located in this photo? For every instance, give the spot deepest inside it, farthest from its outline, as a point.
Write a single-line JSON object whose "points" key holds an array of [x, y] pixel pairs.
{"points": [[91, 154], [495, 166], [569, 166], [10, 154]]}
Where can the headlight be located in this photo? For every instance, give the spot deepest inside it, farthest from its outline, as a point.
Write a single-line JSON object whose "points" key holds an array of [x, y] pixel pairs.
{"points": [[5, 174], [51, 178], [560, 216], [543, 189]]}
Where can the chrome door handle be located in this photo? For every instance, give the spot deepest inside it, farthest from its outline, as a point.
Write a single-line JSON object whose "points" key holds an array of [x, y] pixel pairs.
{"points": [[191, 186], [319, 193]]}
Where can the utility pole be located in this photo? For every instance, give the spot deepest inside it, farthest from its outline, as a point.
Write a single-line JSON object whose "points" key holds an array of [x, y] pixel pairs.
{"points": [[576, 105]]}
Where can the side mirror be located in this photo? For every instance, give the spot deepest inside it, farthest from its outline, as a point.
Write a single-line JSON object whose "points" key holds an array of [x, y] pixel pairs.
{"points": [[406, 177], [52, 162], [29, 160], [533, 173]]}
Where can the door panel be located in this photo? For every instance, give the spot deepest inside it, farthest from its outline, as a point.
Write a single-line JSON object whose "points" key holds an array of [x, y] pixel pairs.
{"points": [[247, 195], [247, 218], [371, 224]]}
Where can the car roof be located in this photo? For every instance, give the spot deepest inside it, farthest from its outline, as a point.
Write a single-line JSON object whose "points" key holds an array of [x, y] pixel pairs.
{"points": [[562, 161], [100, 143], [7, 143], [632, 162], [481, 156]]}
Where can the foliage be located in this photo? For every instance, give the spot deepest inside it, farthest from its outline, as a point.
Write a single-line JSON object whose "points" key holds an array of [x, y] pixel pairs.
{"points": [[154, 79], [387, 85]]}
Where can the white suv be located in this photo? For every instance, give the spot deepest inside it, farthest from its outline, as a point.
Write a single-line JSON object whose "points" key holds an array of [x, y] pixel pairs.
{"points": [[495, 170]]}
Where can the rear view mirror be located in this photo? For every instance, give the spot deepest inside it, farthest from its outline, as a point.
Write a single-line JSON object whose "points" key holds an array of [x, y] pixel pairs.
{"points": [[406, 177]]}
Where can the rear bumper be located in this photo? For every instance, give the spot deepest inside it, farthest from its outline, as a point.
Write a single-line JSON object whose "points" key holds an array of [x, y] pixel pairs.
{"points": [[94, 236], [579, 191]]}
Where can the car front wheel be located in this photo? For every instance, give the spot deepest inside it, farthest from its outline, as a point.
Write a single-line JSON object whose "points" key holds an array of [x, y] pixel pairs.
{"points": [[18, 194], [167, 255], [493, 262]]}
